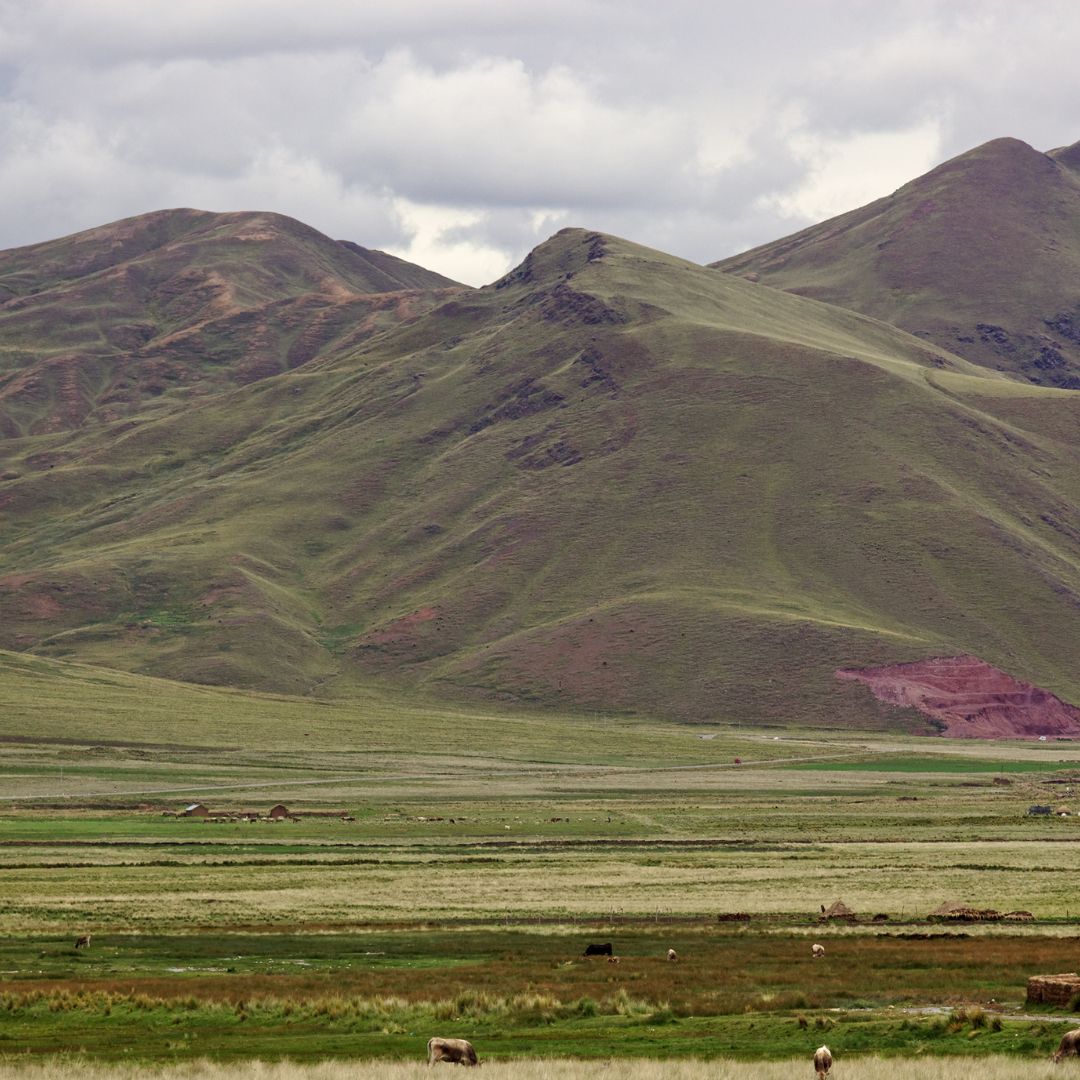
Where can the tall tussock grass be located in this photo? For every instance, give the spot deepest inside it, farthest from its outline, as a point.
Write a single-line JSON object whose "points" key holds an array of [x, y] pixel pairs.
{"points": [[528, 1008]]}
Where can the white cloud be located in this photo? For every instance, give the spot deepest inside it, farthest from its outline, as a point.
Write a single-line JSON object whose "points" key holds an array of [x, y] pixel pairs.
{"points": [[493, 133], [438, 240], [843, 173], [463, 132]]}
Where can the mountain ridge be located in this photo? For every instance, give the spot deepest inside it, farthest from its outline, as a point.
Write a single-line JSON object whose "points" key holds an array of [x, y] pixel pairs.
{"points": [[614, 480]]}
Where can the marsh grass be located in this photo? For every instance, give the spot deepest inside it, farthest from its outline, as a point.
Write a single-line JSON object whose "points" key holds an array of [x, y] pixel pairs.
{"points": [[504, 970], [743, 995]]}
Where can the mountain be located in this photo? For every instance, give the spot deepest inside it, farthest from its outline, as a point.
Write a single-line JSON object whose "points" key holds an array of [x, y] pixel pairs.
{"points": [[155, 311], [979, 256], [613, 480]]}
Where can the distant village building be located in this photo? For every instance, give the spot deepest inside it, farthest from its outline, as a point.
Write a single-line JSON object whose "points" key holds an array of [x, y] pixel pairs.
{"points": [[278, 812], [195, 810]]}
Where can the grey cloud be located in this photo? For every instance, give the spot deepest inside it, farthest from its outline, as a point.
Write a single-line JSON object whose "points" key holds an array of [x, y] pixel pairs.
{"points": [[679, 125]]}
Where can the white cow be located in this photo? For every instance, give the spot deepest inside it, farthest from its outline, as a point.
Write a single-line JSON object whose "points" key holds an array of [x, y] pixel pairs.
{"points": [[822, 1061], [455, 1051], [1068, 1047]]}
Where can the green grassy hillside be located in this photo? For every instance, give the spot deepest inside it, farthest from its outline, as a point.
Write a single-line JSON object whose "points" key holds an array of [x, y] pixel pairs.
{"points": [[979, 255], [613, 480], [149, 314], [149, 732]]}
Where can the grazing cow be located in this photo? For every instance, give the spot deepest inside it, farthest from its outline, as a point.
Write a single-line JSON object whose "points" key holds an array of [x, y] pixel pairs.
{"points": [[1068, 1047], [455, 1051], [82, 942], [672, 955], [598, 950], [822, 1061], [817, 951]]}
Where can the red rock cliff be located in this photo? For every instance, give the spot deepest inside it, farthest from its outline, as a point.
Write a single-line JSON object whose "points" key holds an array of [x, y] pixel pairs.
{"points": [[972, 698]]}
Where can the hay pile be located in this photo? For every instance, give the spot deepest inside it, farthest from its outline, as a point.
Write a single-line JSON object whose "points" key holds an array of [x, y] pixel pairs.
{"points": [[1056, 990], [951, 911]]}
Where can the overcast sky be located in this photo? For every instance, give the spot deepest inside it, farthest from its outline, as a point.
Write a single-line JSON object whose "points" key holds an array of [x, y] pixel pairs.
{"points": [[460, 133]]}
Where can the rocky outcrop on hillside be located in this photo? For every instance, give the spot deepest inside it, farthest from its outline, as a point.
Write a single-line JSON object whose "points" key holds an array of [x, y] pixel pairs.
{"points": [[971, 698]]}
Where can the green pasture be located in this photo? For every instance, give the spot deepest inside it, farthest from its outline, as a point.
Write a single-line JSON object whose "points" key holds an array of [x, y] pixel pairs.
{"points": [[121, 1030], [932, 764], [519, 994]]}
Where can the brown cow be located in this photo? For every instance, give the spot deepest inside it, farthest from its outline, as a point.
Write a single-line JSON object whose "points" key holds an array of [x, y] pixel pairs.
{"points": [[672, 955], [1068, 1047], [455, 1051], [82, 942], [822, 1061], [817, 951]]}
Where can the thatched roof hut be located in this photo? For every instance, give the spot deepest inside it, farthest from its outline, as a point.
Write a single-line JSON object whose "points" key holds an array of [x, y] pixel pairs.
{"points": [[837, 910]]}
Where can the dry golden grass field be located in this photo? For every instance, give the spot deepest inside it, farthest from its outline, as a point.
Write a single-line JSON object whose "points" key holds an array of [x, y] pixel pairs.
{"points": [[868, 1068]]}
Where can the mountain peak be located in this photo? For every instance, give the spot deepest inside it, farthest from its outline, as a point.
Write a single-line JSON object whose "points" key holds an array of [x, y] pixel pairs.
{"points": [[162, 306], [557, 258], [200, 236], [1007, 164], [1004, 144], [978, 255]]}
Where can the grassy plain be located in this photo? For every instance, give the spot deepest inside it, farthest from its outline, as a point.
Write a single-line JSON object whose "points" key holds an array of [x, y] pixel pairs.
{"points": [[460, 895]]}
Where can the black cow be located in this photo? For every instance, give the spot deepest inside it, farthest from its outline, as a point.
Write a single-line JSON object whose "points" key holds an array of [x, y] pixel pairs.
{"points": [[598, 950]]}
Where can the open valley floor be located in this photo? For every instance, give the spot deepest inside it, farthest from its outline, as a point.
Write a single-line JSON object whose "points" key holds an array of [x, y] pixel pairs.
{"points": [[405, 892]]}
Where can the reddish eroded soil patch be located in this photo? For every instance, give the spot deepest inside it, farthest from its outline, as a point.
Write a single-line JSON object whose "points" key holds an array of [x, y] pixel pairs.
{"points": [[43, 606], [395, 638], [973, 699], [29, 597]]}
